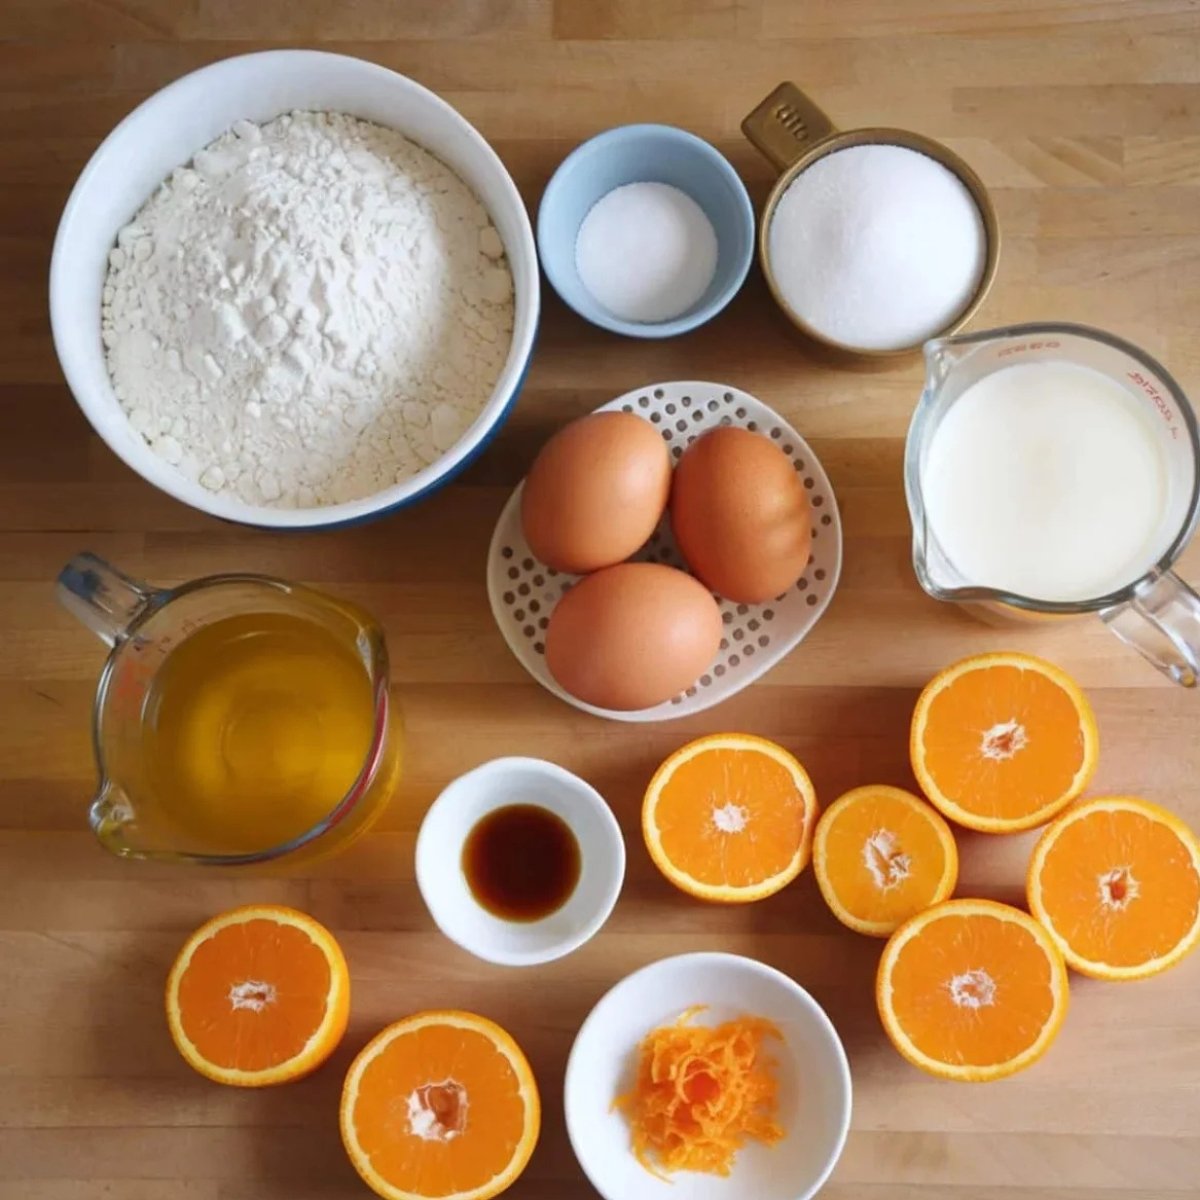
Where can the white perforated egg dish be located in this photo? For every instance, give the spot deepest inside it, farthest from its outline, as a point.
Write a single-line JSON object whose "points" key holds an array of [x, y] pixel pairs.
{"points": [[523, 592]]}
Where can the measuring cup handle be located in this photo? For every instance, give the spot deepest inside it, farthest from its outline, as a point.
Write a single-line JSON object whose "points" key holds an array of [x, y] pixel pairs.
{"points": [[103, 598], [1162, 623], [785, 125]]}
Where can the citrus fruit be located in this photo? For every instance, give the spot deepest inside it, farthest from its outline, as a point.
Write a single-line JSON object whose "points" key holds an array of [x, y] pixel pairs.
{"points": [[1002, 742], [441, 1104], [730, 818], [258, 995], [1116, 882], [971, 990], [880, 855]]}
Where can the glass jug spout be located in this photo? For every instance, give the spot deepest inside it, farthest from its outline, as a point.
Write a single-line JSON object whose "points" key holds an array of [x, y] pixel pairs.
{"points": [[942, 355], [106, 600], [111, 817]]}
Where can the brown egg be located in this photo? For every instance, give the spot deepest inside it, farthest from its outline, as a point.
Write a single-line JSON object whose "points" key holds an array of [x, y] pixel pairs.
{"points": [[595, 492], [632, 636], [740, 515]]}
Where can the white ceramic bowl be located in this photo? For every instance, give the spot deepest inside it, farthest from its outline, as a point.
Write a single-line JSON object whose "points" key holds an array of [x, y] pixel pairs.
{"points": [[164, 133], [814, 1080], [444, 887]]}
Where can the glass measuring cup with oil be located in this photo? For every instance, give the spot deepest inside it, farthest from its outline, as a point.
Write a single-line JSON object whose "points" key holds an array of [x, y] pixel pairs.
{"points": [[238, 719]]}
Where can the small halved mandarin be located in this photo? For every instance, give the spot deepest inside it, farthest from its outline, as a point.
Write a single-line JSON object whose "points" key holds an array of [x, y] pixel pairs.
{"points": [[1116, 882], [259, 995], [880, 855], [972, 990], [441, 1104], [730, 818], [1003, 742]]}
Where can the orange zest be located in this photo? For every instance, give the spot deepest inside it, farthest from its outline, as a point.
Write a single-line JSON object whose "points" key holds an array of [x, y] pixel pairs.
{"points": [[730, 818], [1116, 882], [257, 996], [1003, 742], [881, 854], [972, 990], [700, 1093], [440, 1105]]}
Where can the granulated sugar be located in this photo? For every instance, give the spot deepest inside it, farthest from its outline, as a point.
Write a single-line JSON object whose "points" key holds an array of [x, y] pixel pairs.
{"points": [[877, 247], [308, 312], [646, 252]]}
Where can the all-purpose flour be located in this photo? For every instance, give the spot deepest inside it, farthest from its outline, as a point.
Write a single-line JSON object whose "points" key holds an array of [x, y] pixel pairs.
{"points": [[309, 311]]}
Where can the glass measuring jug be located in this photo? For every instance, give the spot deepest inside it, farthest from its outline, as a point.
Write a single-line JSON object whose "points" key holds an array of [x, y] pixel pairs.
{"points": [[238, 719], [1156, 613]]}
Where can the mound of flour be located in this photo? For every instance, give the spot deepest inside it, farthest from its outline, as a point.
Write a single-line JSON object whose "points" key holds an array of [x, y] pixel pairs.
{"points": [[309, 311]]}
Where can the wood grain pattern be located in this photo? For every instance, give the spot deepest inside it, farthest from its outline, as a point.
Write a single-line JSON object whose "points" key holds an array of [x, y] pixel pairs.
{"points": [[1083, 119]]}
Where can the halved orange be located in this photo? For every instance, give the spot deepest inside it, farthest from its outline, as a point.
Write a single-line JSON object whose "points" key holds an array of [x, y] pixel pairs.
{"points": [[1116, 882], [971, 990], [440, 1105], [730, 818], [1002, 742], [258, 995], [881, 855]]}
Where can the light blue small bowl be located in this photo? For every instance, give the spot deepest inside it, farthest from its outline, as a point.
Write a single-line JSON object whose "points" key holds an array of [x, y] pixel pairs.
{"points": [[646, 154]]}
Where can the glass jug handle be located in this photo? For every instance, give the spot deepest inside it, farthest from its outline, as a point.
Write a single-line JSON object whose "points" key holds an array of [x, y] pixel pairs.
{"points": [[1162, 623], [103, 598]]}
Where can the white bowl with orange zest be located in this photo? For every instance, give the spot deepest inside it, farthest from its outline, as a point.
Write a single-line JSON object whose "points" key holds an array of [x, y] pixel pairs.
{"points": [[797, 1073]]}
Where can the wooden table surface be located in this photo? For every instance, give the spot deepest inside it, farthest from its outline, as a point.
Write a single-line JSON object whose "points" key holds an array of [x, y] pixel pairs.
{"points": [[1082, 119]]}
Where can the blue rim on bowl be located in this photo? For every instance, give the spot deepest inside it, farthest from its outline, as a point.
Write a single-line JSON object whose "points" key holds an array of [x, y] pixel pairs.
{"points": [[646, 154], [165, 131]]}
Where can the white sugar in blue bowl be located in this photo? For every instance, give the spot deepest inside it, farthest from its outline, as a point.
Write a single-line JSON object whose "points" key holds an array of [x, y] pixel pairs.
{"points": [[646, 154]]}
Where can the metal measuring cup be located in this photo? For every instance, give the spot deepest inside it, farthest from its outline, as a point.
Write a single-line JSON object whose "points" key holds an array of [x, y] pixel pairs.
{"points": [[792, 133]]}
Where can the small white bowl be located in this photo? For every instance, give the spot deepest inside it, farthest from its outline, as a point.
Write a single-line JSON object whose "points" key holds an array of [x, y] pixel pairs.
{"points": [[443, 885], [165, 132], [814, 1080]]}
